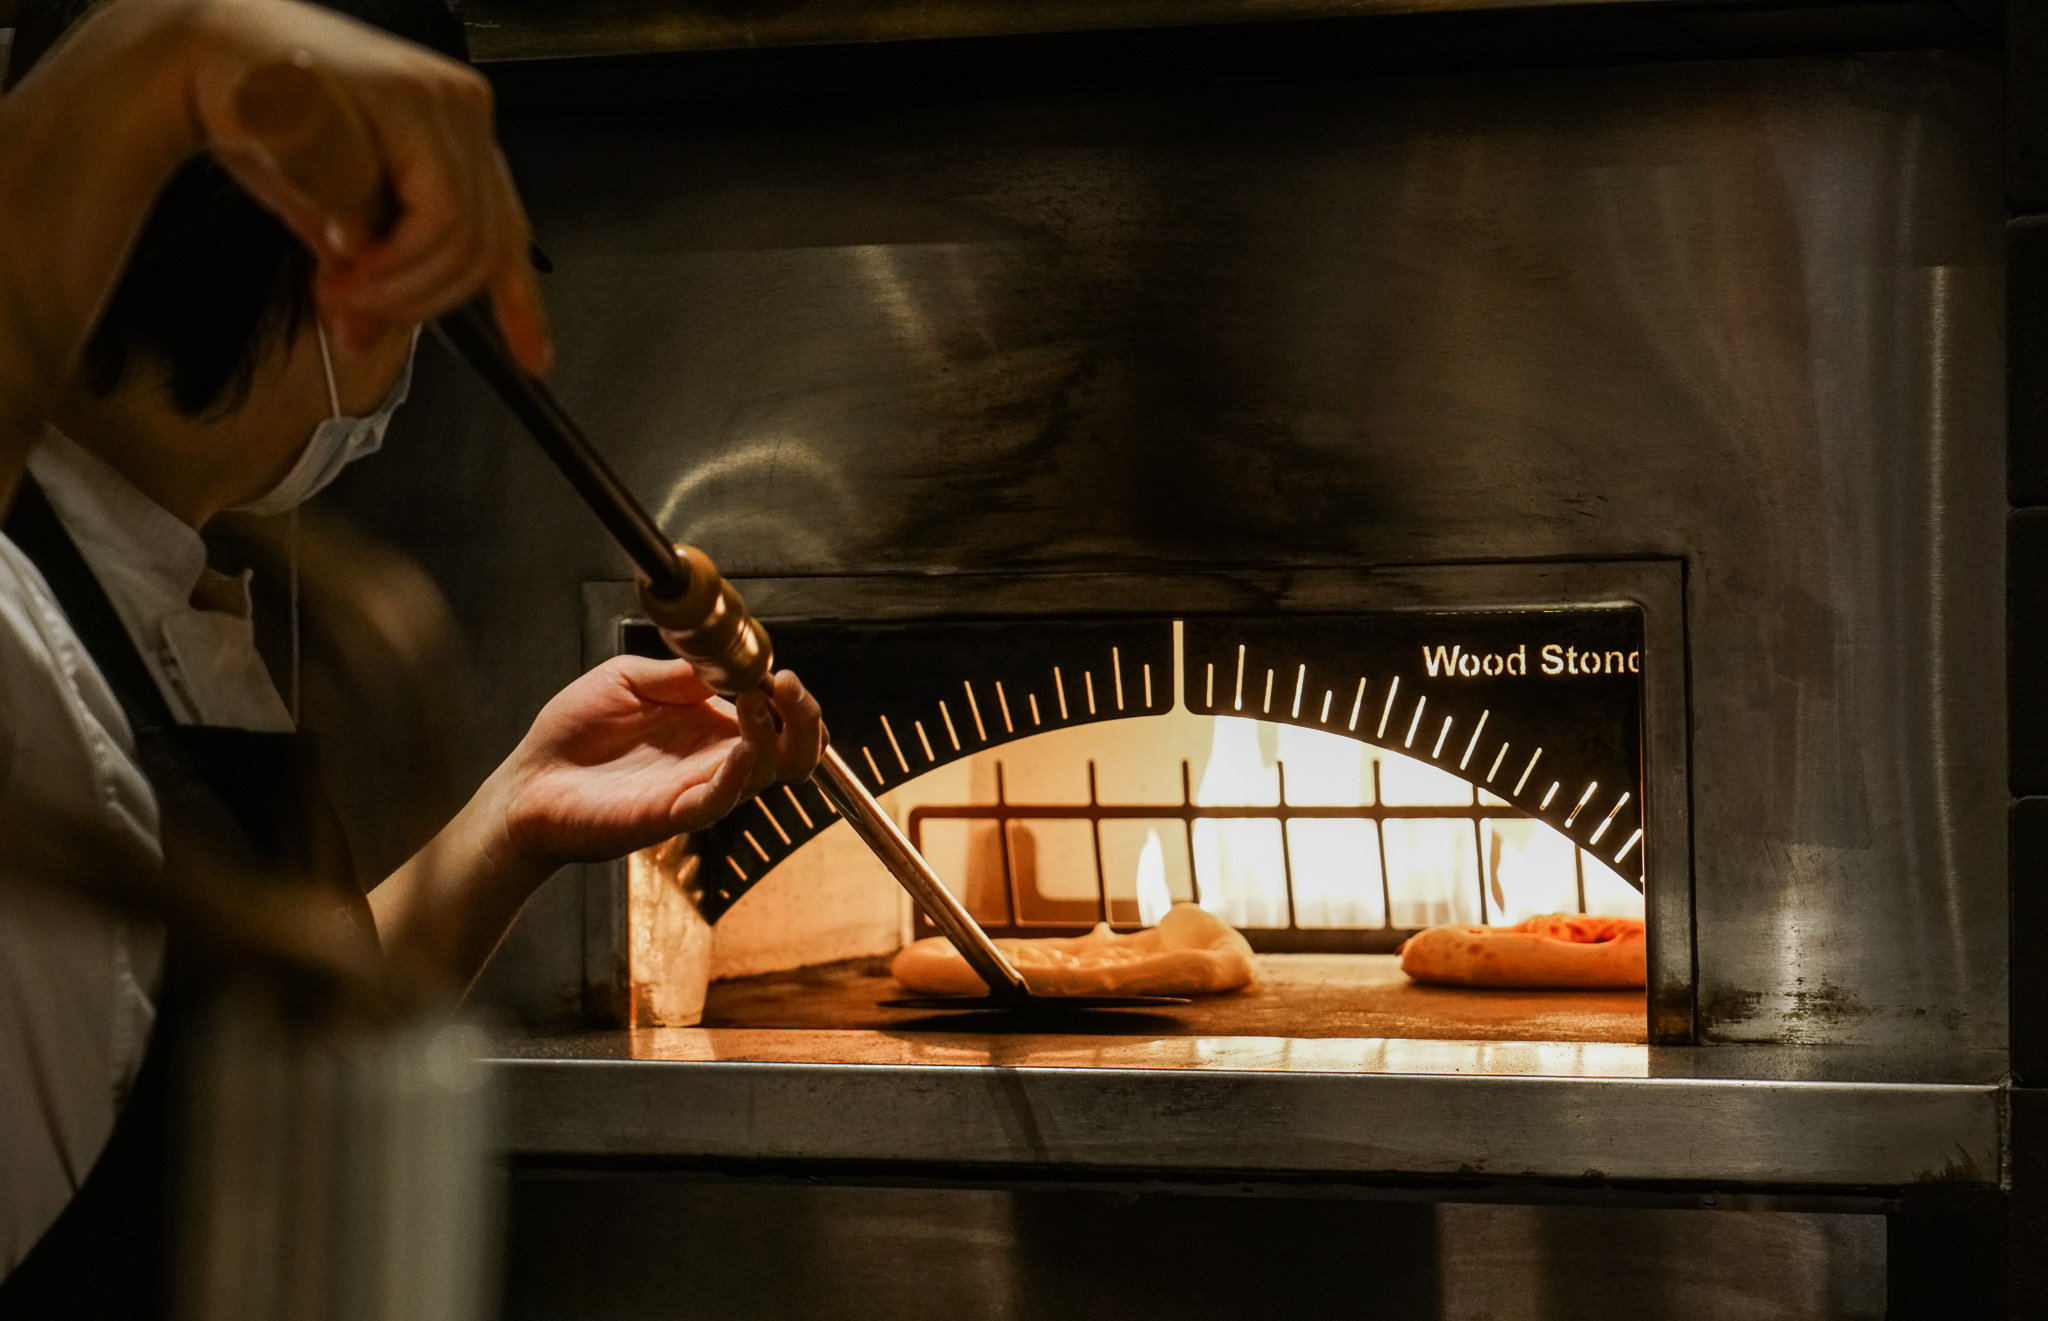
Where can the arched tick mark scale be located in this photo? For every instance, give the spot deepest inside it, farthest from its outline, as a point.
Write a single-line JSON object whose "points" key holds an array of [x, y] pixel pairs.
{"points": [[1508, 735]]}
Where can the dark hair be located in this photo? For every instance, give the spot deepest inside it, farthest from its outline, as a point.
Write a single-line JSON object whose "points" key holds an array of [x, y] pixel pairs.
{"points": [[214, 278]]}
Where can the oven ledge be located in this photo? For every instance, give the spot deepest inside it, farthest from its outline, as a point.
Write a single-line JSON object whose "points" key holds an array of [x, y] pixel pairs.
{"points": [[1731, 1116]]}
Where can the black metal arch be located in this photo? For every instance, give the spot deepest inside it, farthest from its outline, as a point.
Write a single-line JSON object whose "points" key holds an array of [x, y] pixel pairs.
{"points": [[1467, 691]]}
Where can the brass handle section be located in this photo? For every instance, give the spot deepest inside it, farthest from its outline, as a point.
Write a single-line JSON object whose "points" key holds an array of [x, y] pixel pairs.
{"points": [[708, 625]]}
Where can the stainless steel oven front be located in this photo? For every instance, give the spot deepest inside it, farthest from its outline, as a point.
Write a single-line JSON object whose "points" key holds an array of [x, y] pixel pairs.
{"points": [[1327, 759]]}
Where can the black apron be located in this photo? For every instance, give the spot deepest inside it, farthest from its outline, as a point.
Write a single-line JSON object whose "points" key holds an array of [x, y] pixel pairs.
{"points": [[255, 799]]}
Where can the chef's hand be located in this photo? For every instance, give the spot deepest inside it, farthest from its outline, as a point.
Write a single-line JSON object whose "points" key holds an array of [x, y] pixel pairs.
{"points": [[459, 228], [632, 753], [638, 750]]}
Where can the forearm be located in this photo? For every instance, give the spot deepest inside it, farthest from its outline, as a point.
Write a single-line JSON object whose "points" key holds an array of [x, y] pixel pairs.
{"points": [[444, 912]]}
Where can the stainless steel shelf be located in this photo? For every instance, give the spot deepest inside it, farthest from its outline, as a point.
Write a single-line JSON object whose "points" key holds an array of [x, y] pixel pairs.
{"points": [[1238, 1107]]}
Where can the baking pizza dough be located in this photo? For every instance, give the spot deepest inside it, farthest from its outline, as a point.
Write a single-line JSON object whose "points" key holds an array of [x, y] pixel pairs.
{"points": [[1560, 951], [1190, 952]]}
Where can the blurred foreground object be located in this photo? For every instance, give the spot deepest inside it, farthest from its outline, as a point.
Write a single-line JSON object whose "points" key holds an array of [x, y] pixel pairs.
{"points": [[365, 648], [333, 1149], [333, 1171], [332, 1123]]}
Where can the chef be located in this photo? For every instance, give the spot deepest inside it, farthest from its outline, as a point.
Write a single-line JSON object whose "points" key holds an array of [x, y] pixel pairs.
{"points": [[237, 360]]}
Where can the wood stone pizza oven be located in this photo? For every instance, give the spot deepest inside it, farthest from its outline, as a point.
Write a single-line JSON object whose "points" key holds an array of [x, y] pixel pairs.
{"points": [[1350, 468], [1062, 772]]}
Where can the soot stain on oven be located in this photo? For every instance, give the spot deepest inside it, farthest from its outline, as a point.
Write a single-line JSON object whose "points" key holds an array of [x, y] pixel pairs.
{"points": [[1537, 711]]}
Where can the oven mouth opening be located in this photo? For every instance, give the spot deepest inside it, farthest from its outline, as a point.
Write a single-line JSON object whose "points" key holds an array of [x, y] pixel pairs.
{"points": [[1304, 841], [1327, 784], [1450, 720]]}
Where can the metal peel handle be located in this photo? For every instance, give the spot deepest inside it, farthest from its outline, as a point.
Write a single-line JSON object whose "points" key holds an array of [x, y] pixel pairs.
{"points": [[836, 781]]}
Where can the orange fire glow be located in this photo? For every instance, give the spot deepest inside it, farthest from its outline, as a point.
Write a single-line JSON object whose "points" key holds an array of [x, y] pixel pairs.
{"points": [[1433, 867]]}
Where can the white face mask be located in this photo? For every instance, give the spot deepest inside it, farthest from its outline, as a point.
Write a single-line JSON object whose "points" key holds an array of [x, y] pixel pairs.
{"points": [[336, 442]]}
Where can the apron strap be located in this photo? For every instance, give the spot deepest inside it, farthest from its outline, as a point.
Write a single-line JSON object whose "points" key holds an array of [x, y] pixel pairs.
{"points": [[36, 530]]}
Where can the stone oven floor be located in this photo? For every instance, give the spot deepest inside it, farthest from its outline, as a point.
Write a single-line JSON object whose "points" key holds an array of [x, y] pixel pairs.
{"points": [[1301, 995]]}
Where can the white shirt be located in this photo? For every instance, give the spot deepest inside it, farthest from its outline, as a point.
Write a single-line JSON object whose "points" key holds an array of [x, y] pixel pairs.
{"points": [[77, 982], [205, 661], [75, 1011]]}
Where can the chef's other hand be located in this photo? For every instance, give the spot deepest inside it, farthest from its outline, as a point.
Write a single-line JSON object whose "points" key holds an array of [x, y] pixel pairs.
{"points": [[632, 753], [639, 750], [459, 229]]}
